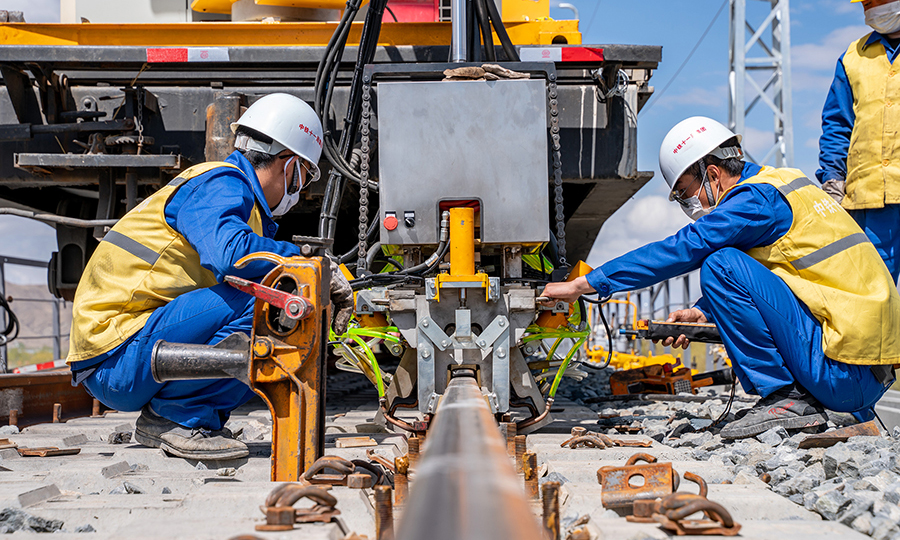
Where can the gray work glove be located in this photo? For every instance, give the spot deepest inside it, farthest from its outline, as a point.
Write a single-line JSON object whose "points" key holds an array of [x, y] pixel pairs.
{"points": [[835, 188], [341, 299]]}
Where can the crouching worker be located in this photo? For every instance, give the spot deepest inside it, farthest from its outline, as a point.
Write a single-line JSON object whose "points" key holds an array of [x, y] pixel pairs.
{"points": [[807, 310], [159, 274]]}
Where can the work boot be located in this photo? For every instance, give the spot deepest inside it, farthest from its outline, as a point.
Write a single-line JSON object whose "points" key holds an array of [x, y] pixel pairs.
{"points": [[788, 408], [190, 443]]}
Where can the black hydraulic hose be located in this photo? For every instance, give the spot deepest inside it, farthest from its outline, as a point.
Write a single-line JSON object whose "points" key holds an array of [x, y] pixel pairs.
{"points": [[427, 266], [609, 354], [497, 21], [11, 331], [473, 48], [487, 35]]}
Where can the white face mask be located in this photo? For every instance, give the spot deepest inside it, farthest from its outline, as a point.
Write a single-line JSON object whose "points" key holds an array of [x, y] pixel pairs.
{"points": [[884, 19], [289, 200], [692, 207]]}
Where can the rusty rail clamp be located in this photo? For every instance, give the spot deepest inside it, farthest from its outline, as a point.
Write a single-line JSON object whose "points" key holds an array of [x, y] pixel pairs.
{"points": [[675, 508], [591, 439], [342, 467], [618, 490], [645, 509], [281, 514]]}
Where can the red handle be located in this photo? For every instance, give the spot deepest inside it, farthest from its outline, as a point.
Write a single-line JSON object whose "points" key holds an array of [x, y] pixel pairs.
{"points": [[294, 306]]}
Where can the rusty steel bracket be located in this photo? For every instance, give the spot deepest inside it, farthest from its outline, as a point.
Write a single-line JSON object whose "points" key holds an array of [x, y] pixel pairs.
{"points": [[659, 480], [591, 439], [831, 438], [315, 474], [644, 510], [675, 508], [281, 514]]}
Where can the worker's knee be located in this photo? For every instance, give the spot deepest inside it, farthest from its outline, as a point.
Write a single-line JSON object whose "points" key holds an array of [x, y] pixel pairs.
{"points": [[723, 261]]}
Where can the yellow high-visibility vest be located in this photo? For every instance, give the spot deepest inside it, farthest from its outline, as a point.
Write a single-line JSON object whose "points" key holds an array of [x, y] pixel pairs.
{"points": [[141, 264], [833, 268], [873, 158]]}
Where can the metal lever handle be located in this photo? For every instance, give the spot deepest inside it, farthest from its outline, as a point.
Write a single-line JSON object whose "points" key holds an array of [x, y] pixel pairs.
{"points": [[295, 307]]}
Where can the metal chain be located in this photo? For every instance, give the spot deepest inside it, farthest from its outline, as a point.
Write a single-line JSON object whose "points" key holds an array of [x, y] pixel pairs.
{"points": [[364, 179], [557, 171], [140, 118]]}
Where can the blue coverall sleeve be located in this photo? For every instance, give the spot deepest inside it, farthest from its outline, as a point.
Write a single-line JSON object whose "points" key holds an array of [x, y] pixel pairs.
{"points": [[213, 219], [752, 215], [837, 126]]}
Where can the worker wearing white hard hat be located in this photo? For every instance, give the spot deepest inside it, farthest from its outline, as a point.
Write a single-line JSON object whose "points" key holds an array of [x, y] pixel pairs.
{"points": [[806, 308], [859, 161], [159, 275]]}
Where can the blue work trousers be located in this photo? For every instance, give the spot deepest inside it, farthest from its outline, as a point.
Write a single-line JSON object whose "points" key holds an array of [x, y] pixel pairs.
{"points": [[124, 380], [772, 338], [882, 226]]}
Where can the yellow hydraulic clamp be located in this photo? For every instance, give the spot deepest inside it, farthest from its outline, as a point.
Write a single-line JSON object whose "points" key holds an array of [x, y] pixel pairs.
{"points": [[282, 360]]}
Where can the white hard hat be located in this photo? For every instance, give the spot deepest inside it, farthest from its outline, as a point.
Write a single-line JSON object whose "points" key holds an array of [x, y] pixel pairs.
{"points": [[290, 122], [690, 141]]}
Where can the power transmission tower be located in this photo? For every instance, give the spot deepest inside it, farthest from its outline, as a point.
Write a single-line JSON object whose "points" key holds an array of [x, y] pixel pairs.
{"points": [[765, 77]]}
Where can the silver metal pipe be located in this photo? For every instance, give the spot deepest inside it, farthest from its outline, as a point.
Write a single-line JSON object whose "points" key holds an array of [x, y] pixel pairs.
{"points": [[62, 220], [458, 32], [466, 487]]}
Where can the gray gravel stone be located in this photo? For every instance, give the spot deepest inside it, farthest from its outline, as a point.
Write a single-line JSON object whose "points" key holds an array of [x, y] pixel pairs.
{"points": [[796, 498], [883, 528], [13, 519], [809, 500], [863, 523], [9, 430], [840, 460], [773, 437], [794, 440], [809, 478], [892, 493], [554, 477], [896, 432], [831, 504], [85, 529]]}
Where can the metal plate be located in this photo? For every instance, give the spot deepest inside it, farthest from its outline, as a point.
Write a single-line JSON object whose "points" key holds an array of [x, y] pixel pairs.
{"points": [[465, 140]]}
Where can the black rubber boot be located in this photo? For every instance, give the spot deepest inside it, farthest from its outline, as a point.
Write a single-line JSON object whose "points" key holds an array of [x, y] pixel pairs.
{"points": [[157, 432], [789, 408]]}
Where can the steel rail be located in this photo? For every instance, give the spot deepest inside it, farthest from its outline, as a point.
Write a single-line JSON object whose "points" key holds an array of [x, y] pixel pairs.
{"points": [[466, 487]]}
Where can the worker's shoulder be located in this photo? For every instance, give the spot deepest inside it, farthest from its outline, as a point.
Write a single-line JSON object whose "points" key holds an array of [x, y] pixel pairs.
{"points": [[217, 175], [857, 46]]}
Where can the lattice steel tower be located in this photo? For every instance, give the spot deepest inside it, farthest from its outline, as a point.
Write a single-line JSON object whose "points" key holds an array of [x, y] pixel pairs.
{"points": [[763, 77]]}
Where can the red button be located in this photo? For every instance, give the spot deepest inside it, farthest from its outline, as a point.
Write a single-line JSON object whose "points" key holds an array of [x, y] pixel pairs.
{"points": [[390, 222]]}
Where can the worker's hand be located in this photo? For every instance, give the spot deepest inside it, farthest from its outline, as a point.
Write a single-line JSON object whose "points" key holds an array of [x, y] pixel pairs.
{"points": [[835, 188], [691, 315], [341, 299], [567, 291]]}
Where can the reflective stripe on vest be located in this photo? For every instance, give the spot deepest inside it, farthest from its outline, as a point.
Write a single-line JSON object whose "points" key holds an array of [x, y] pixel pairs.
{"points": [[873, 157], [830, 265], [132, 246], [141, 264]]}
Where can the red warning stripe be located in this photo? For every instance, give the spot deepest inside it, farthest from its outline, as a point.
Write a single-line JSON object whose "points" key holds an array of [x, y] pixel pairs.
{"points": [[581, 54], [168, 54]]}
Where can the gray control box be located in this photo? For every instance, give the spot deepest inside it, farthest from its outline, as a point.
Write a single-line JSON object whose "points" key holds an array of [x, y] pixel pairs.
{"points": [[464, 140]]}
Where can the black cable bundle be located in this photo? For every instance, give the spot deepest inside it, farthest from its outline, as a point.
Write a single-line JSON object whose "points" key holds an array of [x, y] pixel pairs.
{"points": [[11, 331], [487, 18]]}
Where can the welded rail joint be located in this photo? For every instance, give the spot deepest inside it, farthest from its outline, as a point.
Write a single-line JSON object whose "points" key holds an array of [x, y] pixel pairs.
{"points": [[465, 485]]}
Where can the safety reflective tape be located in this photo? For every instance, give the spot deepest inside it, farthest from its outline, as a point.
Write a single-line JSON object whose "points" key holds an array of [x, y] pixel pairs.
{"points": [[794, 185], [830, 250], [187, 54], [131, 246], [561, 54]]}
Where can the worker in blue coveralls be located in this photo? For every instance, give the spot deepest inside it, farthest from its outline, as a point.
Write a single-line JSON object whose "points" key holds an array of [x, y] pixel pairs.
{"points": [[159, 274], [807, 310], [859, 158]]}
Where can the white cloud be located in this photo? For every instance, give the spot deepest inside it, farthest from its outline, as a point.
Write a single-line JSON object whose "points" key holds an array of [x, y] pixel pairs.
{"points": [[638, 222], [813, 63], [698, 95]]}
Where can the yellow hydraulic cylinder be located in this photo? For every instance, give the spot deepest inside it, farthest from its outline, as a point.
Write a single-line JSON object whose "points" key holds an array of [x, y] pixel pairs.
{"points": [[462, 241]]}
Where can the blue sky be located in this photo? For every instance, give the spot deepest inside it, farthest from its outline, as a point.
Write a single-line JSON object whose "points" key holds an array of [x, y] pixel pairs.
{"points": [[820, 32]]}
